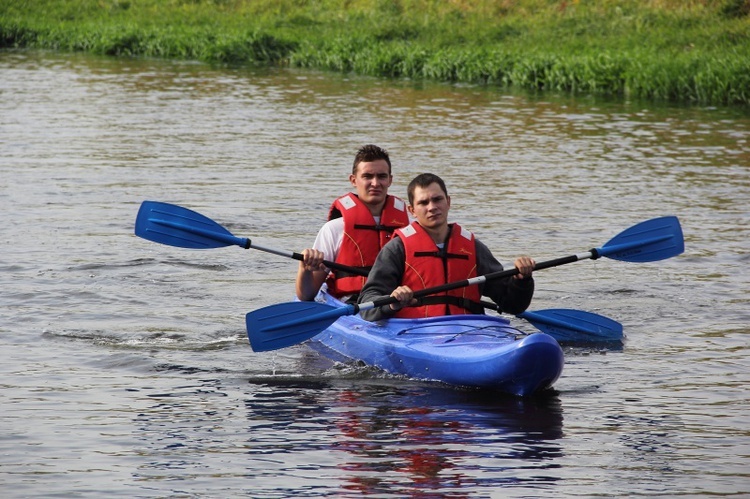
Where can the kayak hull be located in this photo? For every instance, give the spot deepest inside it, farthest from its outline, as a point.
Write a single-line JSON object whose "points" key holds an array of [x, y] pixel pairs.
{"points": [[477, 351]]}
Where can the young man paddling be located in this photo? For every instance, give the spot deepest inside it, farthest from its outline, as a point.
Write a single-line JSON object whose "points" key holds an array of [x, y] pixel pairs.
{"points": [[431, 252], [359, 226]]}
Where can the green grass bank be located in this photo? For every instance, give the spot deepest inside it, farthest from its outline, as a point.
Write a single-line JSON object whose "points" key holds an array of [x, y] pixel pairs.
{"points": [[690, 51]]}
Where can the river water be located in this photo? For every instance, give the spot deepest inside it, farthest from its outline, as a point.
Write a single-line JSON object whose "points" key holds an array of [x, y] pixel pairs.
{"points": [[125, 366]]}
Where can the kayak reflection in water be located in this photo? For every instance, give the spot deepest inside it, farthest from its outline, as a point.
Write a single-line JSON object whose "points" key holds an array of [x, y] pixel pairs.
{"points": [[428, 434]]}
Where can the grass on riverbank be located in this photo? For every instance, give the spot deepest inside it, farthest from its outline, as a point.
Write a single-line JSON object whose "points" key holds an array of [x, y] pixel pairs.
{"points": [[679, 50]]}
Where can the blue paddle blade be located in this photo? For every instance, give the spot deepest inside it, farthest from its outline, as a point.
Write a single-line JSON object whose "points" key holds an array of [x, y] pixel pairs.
{"points": [[177, 226], [286, 324], [568, 325], [649, 241]]}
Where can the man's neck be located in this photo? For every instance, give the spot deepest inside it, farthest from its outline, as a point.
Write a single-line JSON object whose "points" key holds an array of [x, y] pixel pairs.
{"points": [[438, 234], [376, 209]]}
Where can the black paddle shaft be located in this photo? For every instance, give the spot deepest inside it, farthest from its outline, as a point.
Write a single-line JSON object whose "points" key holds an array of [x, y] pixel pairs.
{"points": [[480, 279]]}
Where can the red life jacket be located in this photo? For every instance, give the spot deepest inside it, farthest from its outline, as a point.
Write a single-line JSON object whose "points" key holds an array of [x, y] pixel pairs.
{"points": [[427, 266], [363, 238]]}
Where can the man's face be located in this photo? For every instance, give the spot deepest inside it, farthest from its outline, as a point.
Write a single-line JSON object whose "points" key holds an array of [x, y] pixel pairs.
{"points": [[430, 206], [372, 181]]}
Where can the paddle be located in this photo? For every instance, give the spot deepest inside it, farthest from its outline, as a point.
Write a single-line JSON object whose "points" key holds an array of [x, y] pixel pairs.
{"points": [[177, 226], [568, 325], [286, 324]]}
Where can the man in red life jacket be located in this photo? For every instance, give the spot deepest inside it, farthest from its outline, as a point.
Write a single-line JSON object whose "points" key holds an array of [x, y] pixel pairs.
{"points": [[358, 226], [431, 252]]}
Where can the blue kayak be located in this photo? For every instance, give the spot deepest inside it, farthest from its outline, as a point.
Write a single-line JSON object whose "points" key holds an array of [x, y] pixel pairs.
{"points": [[477, 351]]}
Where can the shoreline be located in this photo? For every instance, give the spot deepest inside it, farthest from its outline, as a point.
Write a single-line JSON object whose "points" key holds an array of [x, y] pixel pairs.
{"points": [[697, 53]]}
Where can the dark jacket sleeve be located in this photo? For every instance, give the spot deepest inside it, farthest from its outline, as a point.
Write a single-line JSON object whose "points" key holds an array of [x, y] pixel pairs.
{"points": [[386, 275], [511, 295]]}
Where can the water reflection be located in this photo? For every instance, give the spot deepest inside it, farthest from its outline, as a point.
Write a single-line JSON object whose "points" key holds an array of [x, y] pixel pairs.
{"points": [[415, 439]]}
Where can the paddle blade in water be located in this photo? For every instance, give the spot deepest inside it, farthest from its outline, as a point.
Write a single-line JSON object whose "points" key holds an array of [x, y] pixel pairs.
{"points": [[649, 241], [286, 324], [177, 226], [567, 325]]}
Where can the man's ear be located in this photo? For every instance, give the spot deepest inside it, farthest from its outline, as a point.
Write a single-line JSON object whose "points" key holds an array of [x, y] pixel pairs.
{"points": [[353, 179]]}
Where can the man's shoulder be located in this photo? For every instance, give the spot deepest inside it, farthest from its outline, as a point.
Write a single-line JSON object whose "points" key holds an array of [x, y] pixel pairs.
{"points": [[394, 246], [334, 225], [480, 244]]}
